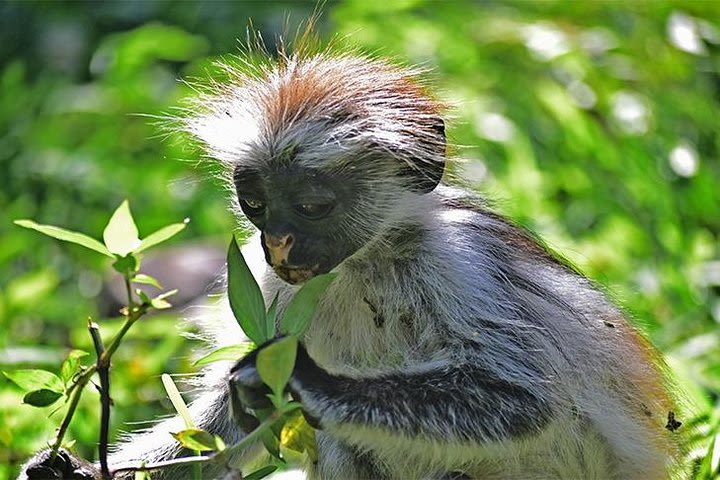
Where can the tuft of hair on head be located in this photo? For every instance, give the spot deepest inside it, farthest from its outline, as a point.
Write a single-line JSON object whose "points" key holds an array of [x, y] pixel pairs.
{"points": [[323, 106]]}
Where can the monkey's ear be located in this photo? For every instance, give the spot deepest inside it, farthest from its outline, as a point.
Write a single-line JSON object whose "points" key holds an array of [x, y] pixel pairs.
{"points": [[428, 172]]}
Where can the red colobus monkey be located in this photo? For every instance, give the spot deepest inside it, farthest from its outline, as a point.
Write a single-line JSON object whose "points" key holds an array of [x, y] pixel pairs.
{"points": [[451, 344]]}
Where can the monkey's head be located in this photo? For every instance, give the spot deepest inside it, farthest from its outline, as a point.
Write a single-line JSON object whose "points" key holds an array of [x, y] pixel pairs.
{"points": [[322, 153]]}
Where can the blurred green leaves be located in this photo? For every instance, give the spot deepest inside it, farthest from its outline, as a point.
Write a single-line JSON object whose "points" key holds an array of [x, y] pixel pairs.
{"points": [[593, 123], [124, 54]]}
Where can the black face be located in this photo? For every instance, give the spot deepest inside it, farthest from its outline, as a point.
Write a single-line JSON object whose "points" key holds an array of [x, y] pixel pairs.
{"points": [[302, 216]]}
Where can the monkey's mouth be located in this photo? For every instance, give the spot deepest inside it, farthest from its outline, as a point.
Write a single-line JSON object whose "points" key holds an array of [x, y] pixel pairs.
{"points": [[294, 275]]}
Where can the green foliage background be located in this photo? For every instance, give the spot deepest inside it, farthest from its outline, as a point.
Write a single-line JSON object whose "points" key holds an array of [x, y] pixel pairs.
{"points": [[593, 123]]}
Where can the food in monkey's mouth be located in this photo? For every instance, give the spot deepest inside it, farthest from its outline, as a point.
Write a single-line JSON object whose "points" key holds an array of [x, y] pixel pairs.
{"points": [[295, 275]]}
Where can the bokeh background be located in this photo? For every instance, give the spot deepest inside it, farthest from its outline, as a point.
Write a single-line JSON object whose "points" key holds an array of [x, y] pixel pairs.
{"points": [[595, 124]]}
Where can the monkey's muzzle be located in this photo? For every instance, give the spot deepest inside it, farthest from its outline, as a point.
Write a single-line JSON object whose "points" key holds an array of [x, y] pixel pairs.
{"points": [[295, 275]]}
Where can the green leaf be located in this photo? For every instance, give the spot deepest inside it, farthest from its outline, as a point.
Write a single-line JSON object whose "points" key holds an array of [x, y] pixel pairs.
{"points": [[159, 301], [275, 363], [177, 400], [143, 296], [301, 308], [245, 298], [71, 364], [66, 236], [127, 265], [231, 352], [147, 280], [161, 235], [196, 439], [142, 475], [261, 473], [30, 380], [219, 443], [271, 443], [121, 234], [298, 435], [42, 398], [272, 316]]}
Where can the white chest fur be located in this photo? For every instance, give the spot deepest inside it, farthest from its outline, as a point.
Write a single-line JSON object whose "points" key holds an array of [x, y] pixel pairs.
{"points": [[359, 329]]}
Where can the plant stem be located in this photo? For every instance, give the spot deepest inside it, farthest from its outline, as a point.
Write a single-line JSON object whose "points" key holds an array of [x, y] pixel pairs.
{"points": [[222, 457], [132, 314], [128, 289], [77, 390], [255, 435], [164, 464], [103, 369]]}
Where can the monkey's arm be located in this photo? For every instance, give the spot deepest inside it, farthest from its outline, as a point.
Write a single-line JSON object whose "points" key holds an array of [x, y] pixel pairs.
{"points": [[451, 401], [456, 401]]}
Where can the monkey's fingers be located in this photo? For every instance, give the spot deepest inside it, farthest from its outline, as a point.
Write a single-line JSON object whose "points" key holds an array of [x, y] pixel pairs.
{"points": [[248, 390]]}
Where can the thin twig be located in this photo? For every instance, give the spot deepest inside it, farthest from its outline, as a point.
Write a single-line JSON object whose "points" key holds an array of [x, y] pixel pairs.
{"points": [[74, 400], [222, 457], [134, 313], [103, 369], [164, 464], [77, 390], [225, 455]]}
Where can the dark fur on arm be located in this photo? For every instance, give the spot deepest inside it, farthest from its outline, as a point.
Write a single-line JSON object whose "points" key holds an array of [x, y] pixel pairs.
{"points": [[458, 401]]}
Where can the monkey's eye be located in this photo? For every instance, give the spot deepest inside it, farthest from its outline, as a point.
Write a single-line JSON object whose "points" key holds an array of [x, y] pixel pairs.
{"points": [[313, 211], [252, 206]]}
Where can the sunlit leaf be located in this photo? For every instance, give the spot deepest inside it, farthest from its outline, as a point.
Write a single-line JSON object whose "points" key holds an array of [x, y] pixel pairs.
{"points": [[231, 352], [142, 475], [298, 435], [42, 398], [177, 400], [245, 298], [219, 443], [147, 280], [121, 234], [66, 236], [160, 303], [301, 308], [161, 235], [275, 363], [71, 364], [35, 380], [196, 439]]}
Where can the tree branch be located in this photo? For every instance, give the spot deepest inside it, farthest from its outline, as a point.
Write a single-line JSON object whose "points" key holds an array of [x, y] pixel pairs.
{"points": [[103, 369]]}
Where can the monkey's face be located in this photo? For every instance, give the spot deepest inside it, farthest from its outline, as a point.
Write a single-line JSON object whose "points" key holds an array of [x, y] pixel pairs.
{"points": [[303, 216]]}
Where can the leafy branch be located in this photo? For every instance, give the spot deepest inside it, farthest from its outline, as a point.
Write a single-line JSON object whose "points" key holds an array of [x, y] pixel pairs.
{"points": [[283, 430], [121, 242]]}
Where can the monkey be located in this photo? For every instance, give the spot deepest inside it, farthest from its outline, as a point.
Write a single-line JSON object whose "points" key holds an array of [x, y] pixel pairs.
{"points": [[451, 343]]}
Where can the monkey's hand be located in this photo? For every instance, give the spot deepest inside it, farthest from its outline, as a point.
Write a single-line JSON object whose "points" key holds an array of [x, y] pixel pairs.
{"points": [[65, 466], [249, 395]]}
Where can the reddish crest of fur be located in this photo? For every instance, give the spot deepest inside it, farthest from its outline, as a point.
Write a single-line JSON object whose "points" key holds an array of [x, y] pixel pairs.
{"points": [[317, 101]]}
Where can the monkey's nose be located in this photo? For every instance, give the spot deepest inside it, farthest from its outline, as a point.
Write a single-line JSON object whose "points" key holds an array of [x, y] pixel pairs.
{"points": [[279, 247]]}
